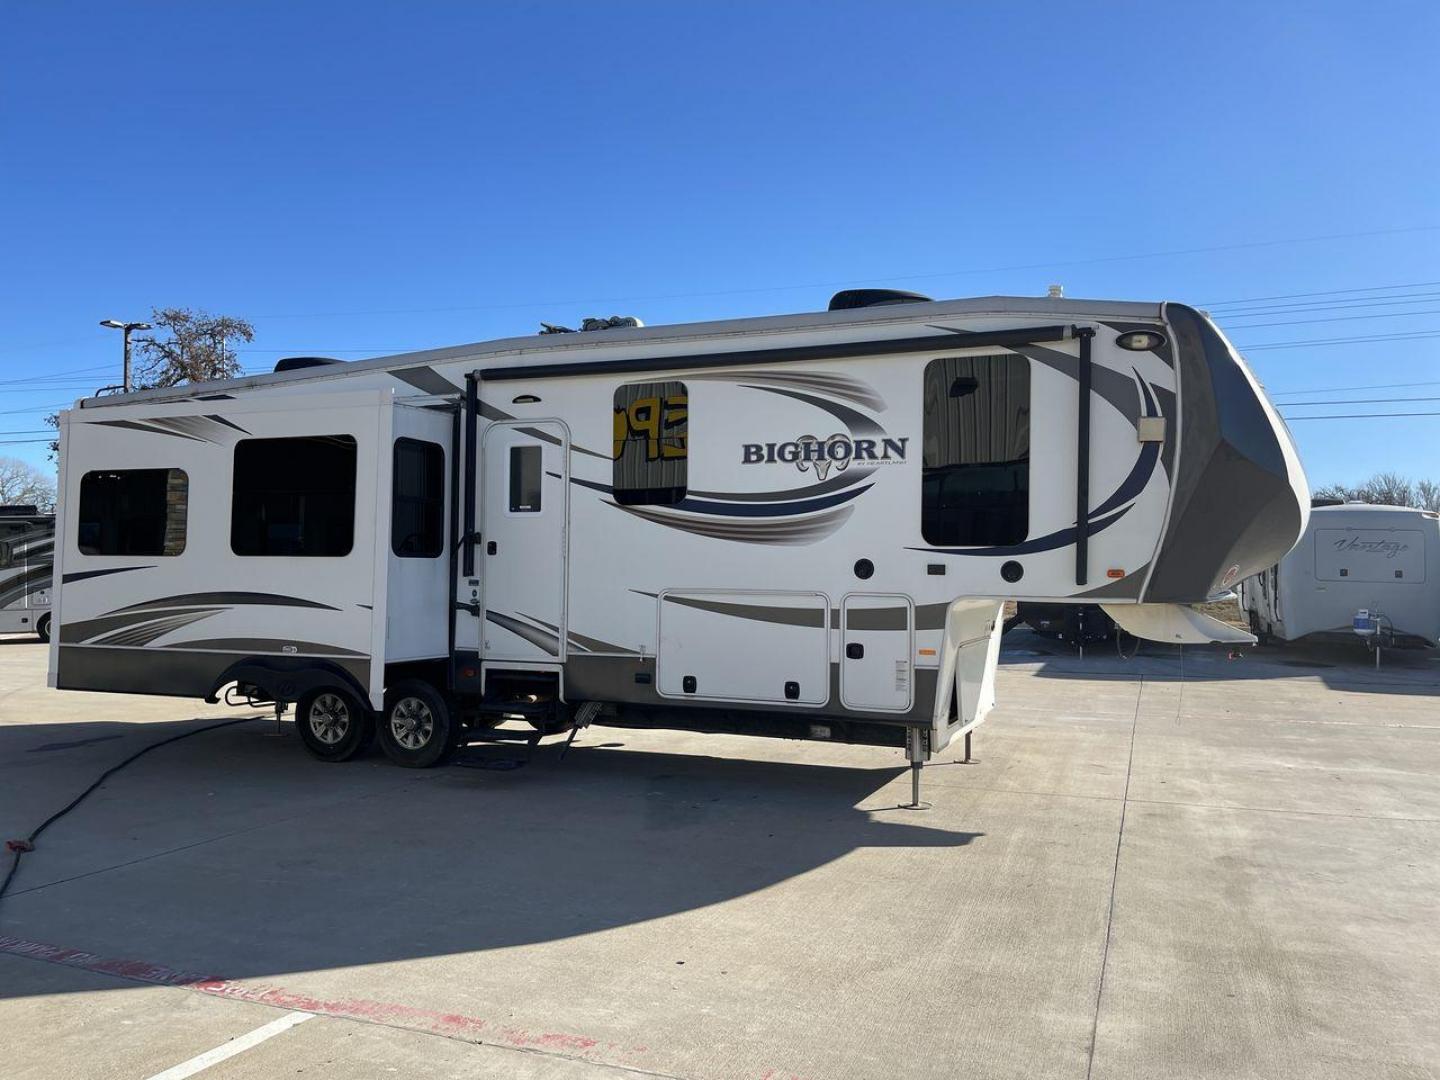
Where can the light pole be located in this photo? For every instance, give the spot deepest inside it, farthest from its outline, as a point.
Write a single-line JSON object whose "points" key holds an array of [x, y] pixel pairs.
{"points": [[127, 327]]}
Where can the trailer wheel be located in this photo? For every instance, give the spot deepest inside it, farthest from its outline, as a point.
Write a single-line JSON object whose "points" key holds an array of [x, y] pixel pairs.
{"points": [[561, 718], [420, 728], [42, 627], [1262, 635], [333, 724]]}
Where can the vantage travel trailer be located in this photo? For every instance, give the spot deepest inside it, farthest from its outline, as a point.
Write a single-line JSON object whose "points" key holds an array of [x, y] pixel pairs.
{"points": [[801, 526], [1353, 557], [27, 539]]}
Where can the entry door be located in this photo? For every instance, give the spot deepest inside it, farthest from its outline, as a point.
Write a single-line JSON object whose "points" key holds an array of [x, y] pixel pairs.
{"points": [[524, 481]]}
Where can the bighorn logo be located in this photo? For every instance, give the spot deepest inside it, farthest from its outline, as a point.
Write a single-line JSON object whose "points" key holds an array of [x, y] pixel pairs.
{"points": [[837, 452]]}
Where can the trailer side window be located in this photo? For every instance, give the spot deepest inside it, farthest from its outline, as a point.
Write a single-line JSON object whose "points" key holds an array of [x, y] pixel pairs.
{"points": [[417, 512], [652, 441], [976, 476], [293, 497], [133, 512], [525, 479], [10, 534]]}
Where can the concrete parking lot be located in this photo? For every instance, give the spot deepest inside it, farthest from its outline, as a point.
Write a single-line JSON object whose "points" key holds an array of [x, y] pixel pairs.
{"points": [[1231, 876]]}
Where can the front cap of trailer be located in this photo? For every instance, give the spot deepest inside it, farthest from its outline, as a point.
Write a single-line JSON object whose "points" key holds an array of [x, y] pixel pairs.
{"points": [[1239, 499]]}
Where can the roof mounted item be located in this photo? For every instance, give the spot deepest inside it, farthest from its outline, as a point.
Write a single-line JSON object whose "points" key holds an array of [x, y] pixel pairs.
{"points": [[847, 299], [295, 363], [22, 510], [614, 322]]}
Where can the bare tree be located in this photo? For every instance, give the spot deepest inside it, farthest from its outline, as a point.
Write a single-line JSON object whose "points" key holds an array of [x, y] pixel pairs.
{"points": [[1386, 489], [22, 484], [1333, 491], [193, 346], [1389, 489], [1427, 495]]}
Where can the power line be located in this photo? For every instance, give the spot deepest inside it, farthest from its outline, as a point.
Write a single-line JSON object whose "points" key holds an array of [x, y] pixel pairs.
{"points": [[1340, 318], [65, 375], [1360, 416], [343, 349], [35, 408], [1251, 245], [1398, 300], [1415, 335], [1354, 401], [1367, 386], [1329, 292]]}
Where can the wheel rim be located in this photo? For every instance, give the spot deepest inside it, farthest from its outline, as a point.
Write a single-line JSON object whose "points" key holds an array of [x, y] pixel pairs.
{"points": [[329, 719], [412, 724]]}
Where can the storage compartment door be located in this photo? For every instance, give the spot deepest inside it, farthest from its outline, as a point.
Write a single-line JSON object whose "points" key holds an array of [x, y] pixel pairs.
{"points": [[743, 646], [877, 643]]}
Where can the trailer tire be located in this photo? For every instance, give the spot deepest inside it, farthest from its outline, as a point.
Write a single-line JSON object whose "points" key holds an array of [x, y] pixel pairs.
{"points": [[1262, 635], [333, 723], [561, 719], [419, 728], [42, 628]]}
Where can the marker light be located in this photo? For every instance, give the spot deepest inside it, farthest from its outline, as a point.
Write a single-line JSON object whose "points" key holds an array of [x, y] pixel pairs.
{"points": [[1140, 340]]}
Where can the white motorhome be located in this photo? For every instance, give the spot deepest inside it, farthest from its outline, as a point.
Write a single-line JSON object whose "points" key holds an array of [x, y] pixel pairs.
{"points": [[800, 526], [27, 538], [1353, 557]]}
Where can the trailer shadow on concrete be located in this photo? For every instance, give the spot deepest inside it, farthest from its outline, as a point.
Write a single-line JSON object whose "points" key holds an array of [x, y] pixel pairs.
{"points": [[236, 854], [1338, 667]]}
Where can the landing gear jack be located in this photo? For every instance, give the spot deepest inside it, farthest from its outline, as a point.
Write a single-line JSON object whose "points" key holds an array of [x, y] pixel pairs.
{"points": [[917, 748], [915, 802]]}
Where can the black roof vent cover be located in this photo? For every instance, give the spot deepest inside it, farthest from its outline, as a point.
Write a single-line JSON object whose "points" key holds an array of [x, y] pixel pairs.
{"points": [[295, 363], [1325, 500], [847, 299]]}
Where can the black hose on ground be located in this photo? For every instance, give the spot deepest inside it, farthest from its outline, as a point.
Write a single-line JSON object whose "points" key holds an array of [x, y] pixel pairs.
{"points": [[19, 848]]}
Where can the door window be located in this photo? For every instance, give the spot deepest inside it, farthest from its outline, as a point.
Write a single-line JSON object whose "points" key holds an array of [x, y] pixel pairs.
{"points": [[526, 472], [417, 510]]}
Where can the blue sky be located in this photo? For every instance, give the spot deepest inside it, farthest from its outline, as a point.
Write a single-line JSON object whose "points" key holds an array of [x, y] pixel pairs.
{"points": [[363, 178]]}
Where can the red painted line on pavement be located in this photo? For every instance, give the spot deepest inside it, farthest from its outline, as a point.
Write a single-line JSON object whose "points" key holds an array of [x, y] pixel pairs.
{"points": [[452, 1025]]}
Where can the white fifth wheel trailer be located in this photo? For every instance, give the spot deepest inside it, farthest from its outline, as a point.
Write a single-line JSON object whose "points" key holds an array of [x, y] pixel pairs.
{"points": [[27, 539], [1353, 557], [801, 526]]}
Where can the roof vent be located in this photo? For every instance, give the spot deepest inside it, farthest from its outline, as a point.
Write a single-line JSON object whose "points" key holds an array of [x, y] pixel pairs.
{"points": [[848, 299], [1325, 500], [295, 363], [22, 510]]}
